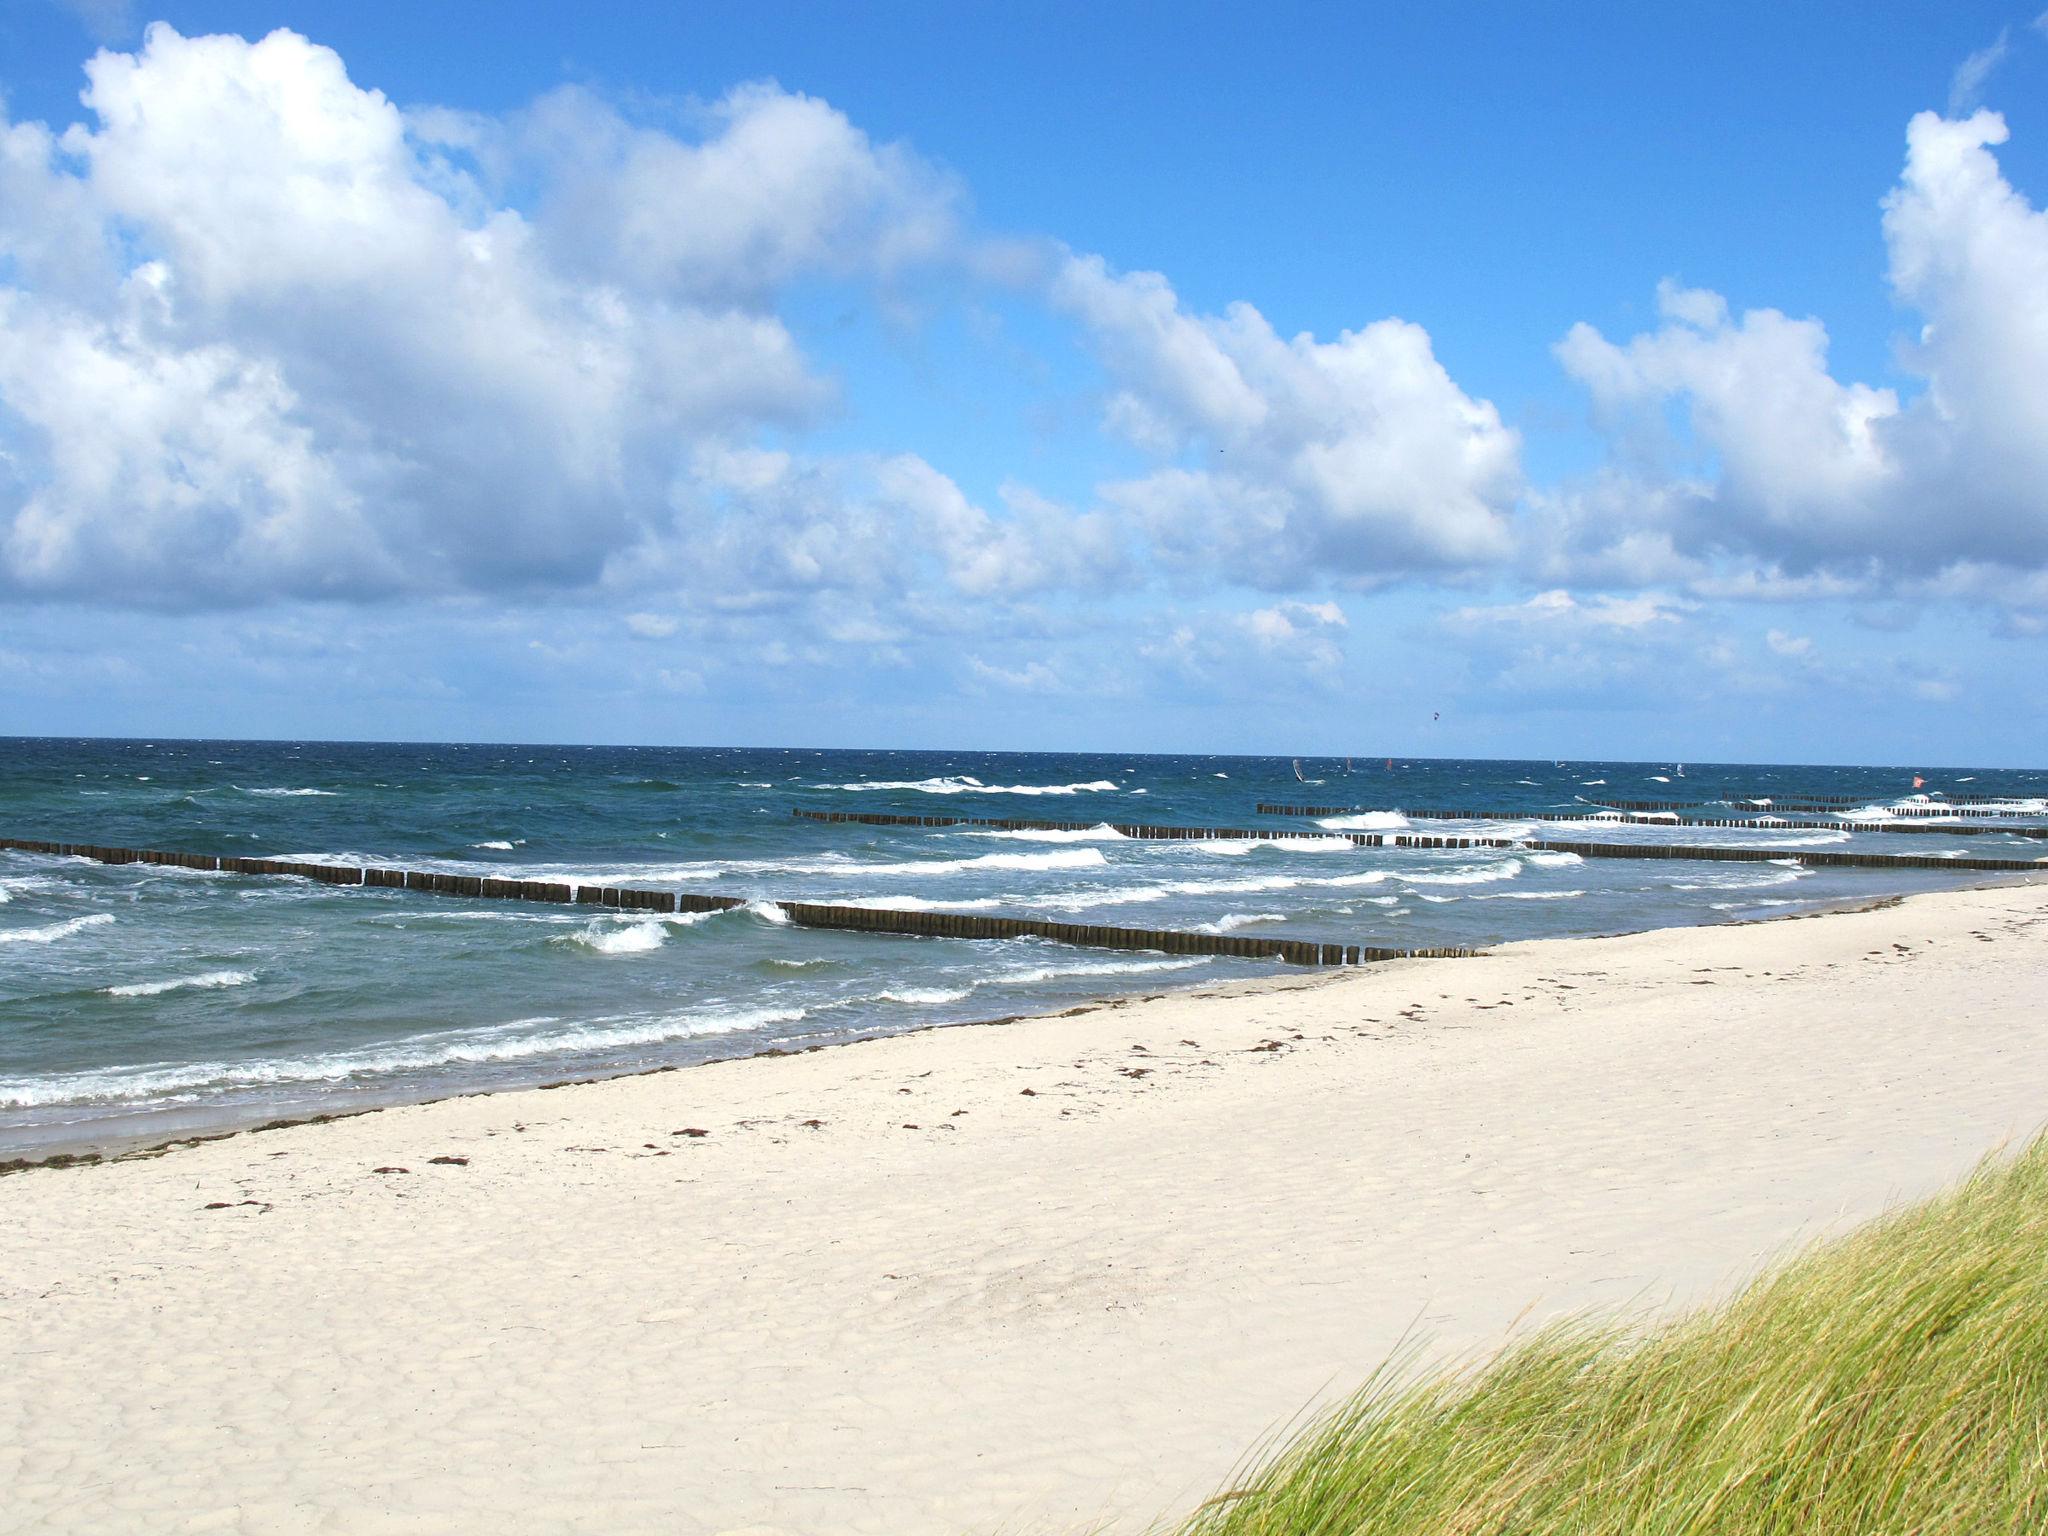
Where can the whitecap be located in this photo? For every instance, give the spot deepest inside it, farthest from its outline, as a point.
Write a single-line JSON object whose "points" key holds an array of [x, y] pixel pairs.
{"points": [[205, 980], [55, 931], [924, 903], [964, 784], [482, 1045], [1036, 974], [287, 793], [1231, 921], [768, 912], [924, 996], [1482, 874], [498, 843], [1078, 901], [1071, 858], [1552, 860], [1366, 821], [611, 938], [1103, 833]]}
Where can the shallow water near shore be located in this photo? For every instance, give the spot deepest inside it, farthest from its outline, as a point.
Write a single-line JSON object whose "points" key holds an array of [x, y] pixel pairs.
{"points": [[139, 1002]]}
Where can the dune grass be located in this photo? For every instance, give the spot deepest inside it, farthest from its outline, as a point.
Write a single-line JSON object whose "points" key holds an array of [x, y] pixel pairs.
{"points": [[1894, 1380]]}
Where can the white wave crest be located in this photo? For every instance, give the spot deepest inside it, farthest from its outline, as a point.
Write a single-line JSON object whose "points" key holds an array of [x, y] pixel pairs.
{"points": [[498, 843], [1036, 974], [1524, 895], [483, 1045], [923, 903], [768, 912], [964, 784], [1069, 858], [1802, 840], [1482, 874], [1548, 860], [1229, 922], [1129, 895], [288, 793], [928, 996], [207, 979], [1367, 821], [1104, 833], [1745, 880], [610, 938], [52, 932]]}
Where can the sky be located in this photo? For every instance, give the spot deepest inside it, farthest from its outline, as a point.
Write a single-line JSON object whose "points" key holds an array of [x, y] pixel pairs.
{"points": [[1590, 381]]}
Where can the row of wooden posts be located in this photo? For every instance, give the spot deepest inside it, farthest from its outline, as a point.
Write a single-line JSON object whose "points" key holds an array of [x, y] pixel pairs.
{"points": [[1419, 840], [952, 925], [1812, 857], [1623, 818], [1954, 805]]}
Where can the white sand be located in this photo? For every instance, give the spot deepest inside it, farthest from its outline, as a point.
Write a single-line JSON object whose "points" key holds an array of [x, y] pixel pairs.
{"points": [[1076, 1304]]}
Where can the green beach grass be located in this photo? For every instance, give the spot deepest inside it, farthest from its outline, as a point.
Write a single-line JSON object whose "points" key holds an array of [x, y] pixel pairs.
{"points": [[1894, 1380]]}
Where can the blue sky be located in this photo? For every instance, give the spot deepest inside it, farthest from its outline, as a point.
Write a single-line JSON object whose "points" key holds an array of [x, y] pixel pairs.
{"points": [[1605, 380]]}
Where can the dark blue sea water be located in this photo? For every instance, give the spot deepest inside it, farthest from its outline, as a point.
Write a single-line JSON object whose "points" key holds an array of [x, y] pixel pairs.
{"points": [[138, 1002]]}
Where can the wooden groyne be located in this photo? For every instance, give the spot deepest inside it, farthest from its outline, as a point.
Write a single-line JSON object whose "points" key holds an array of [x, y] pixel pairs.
{"points": [[1816, 806], [968, 925], [1424, 840], [1692, 851], [1634, 819], [947, 925]]}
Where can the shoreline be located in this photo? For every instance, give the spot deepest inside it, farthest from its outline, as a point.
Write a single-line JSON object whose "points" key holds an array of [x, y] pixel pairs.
{"points": [[1060, 1274], [92, 1151]]}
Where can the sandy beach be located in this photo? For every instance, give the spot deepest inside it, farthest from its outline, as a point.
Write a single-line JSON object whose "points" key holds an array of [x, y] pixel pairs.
{"points": [[1042, 1276]]}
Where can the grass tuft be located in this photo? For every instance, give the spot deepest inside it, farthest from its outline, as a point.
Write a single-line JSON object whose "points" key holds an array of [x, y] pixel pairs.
{"points": [[1894, 1380]]}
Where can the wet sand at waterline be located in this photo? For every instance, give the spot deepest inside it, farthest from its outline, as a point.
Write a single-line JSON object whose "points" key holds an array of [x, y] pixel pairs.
{"points": [[1039, 1276]]}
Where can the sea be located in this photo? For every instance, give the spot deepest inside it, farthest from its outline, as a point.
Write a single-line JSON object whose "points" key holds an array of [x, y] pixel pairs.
{"points": [[141, 1003]]}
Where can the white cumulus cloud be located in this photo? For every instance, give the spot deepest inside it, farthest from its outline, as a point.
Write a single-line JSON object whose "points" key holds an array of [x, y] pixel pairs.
{"points": [[262, 334], [1801, 473], [1285, 457]]}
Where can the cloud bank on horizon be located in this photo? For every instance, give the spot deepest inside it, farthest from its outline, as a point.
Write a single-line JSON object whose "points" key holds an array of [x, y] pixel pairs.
{"points": [[270, 339]]}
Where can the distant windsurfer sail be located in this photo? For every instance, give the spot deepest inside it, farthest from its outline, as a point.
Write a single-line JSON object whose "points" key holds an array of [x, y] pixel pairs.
{"points": [[1298, 778]]}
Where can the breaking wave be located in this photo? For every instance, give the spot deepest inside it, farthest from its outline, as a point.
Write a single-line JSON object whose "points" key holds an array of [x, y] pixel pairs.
{"points": [[479, 1046], [205, 980], [1367, 821], [1104, 833], [52, 932], [964, 784], [1229, 922], [1504, 869]]}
